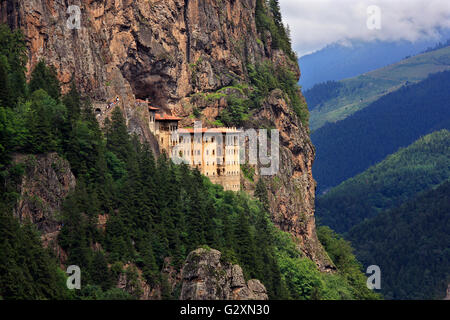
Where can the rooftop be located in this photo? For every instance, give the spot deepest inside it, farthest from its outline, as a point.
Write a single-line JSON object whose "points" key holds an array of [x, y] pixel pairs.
{"points": [[209, 130], [165, 117]]}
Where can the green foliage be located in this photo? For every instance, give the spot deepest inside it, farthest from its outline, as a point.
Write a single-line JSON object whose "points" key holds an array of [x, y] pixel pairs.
{"points": [[45, 121], [45, 78], [248, 171], [268, 20], [14, 134], [410, 244], [341, 253], [93, 292], [321, 93], [26, 269], [422, 165], [13, 60], [117, 136], [236, 112], [265, 78], [305, 282], [197, 113]]}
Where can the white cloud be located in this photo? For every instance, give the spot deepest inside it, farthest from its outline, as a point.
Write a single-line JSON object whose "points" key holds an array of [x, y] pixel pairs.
{"points": [[316, 23]]}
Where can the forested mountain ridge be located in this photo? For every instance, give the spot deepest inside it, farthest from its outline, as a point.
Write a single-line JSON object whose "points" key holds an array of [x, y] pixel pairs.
{"points": [[351, 58], [421, 166], [132, 218], [336, 100], [350, 146], [410, 244]]}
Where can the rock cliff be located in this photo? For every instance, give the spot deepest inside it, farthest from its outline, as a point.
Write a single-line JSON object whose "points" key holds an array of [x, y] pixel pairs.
{"points": [[167, 51], [207, 277], [46, 182]]}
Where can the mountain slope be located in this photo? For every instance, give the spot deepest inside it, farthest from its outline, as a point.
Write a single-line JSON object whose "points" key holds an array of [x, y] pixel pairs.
{"points": [[357, 93], [411, 246], [419, 167], [340, 61], [348, 147]]}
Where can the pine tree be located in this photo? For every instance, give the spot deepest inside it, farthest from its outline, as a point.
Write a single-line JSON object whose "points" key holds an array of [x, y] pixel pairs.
{"points": [[5, 90], [276, 12], [72, 101], [261, 193], [45, 78], [118, 140], [13, 48], [26, 269], [40, 123], [99, 271], [245, 246]]}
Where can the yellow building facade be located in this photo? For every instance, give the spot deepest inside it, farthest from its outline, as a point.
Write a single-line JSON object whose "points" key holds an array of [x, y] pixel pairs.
{"points": [[215, 152]]}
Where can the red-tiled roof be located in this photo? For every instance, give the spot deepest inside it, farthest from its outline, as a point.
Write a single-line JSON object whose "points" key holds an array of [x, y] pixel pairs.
{"points": [[141, 101], [152, 108], [165, 117], [209, 130]]}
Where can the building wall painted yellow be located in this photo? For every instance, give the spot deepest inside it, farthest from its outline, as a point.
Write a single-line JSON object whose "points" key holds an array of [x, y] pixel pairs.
{"points": [[220, 162]]}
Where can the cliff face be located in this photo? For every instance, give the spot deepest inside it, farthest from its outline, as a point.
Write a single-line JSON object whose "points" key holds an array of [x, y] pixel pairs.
{"points": [[206, 277], [46, 182], [167, 51], [292, 190]]}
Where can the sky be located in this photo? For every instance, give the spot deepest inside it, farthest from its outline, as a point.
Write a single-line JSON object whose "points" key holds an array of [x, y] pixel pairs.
{"points": [[316, 23]]}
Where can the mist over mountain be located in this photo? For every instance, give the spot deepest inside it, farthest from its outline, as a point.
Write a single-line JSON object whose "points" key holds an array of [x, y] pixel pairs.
{"points": [[340, 61]]}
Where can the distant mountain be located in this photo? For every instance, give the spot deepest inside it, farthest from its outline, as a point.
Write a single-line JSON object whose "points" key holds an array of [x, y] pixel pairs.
{"points": [[398, 178], [410, 244], [396, 120], [333, 101], [337, 61]]}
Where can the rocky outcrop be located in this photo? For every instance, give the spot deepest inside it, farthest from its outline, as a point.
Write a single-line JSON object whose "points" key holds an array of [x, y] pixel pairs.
{"points": [[168, 51], [45, 184], [206, 277]]}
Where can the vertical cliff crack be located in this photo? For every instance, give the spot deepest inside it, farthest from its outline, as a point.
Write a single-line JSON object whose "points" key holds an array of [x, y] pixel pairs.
{"points": [[188, 32]]}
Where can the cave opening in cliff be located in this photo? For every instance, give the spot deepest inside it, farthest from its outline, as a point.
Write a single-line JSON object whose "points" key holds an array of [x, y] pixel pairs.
{"points": [[154, 91]]}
